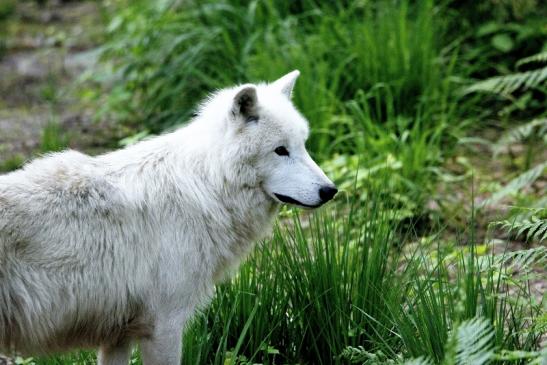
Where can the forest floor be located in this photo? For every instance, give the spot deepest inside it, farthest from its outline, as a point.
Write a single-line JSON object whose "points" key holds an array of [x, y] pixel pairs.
{"points": [[47, 49]]}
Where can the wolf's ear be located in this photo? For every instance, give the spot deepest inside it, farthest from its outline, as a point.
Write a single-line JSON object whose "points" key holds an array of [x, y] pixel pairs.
{"points": [[245, 102], [286, 83]]}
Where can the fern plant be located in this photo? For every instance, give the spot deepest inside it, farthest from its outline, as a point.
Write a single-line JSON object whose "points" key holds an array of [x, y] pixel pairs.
{"points": [[525, 179], [539, 57], [472, 343], [508, 84], [534, 128], [533, 227], [535, 78]]}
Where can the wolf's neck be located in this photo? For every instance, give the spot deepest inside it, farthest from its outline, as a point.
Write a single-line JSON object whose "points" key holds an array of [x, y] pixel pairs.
{"points": [[245, 216], [193, 187], [234, 208], [185, 169]]}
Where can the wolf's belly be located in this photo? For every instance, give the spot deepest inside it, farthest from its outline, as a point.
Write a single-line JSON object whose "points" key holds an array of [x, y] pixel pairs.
{"points": [[39, 312]]}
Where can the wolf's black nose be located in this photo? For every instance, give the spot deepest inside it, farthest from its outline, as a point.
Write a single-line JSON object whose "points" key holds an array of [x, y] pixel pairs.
{"points": [[326, 193]]}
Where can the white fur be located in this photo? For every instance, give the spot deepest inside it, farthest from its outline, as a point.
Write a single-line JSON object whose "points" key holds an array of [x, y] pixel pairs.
{"points": [[103, 251]]}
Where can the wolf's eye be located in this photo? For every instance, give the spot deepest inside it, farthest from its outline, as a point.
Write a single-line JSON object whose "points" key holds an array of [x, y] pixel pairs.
{"points": [[281, 151]]}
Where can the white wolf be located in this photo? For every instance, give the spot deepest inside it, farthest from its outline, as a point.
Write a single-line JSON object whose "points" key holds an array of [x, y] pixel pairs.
{"points": [[109, 250]]}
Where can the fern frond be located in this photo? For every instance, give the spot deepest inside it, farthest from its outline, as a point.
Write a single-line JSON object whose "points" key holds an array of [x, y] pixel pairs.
{"points": [[505, 85], [418, 361], [355, 354], [474, 342], [539, 205], [534, 357], [537, 208], [524, 179], [471, 344], [358, 355], [520, 133], [539, 57], [534, 227], [523, 259]]}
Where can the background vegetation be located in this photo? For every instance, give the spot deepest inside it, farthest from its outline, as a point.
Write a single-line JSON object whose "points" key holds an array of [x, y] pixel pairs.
{"points": [[431, 118]]}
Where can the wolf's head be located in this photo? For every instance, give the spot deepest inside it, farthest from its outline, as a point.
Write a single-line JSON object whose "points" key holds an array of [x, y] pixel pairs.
{"points": [[267, 133]]}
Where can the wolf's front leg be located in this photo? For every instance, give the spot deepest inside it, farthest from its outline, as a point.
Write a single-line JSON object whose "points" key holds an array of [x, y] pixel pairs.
{"points": [[164, 347]]}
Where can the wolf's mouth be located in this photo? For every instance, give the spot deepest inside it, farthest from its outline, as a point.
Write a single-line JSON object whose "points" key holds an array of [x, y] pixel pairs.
{"points": [[289, 200]]}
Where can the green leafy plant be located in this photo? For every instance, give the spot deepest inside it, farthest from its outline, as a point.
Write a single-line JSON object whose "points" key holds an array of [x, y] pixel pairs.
{"points": [[507, 84], [166, 57], [524, 179], [536, 128], [533, 227], [471, 343]]}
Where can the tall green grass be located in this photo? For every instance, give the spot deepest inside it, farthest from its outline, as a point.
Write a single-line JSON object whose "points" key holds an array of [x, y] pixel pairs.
{"points": [[169, 57], [375, 77], [306, 294], [339, 278]]}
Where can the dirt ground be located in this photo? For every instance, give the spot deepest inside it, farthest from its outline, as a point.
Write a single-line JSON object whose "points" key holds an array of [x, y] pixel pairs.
{"points": [[47, 50]]}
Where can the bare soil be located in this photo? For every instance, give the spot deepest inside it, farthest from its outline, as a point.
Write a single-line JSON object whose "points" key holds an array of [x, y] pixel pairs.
{"points": [[48, 48]]}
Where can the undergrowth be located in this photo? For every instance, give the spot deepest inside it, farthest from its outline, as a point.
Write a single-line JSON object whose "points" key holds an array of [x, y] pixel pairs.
{"points": [[374, 78]]}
